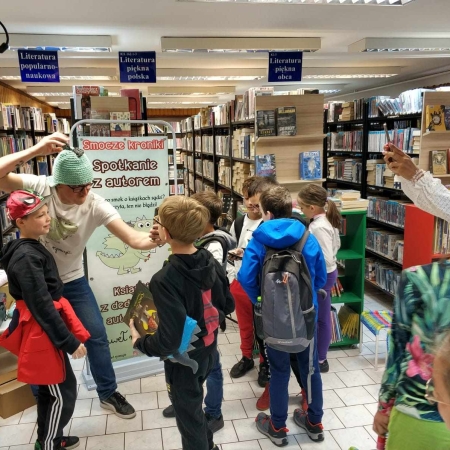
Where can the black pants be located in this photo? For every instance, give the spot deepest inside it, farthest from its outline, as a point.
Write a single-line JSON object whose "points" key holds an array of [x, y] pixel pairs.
{"points": [[56, 403], [186, 394]]}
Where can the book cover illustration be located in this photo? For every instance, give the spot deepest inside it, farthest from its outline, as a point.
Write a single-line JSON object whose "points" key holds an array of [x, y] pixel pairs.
{"points": [[438, 162], [99, 129], [310, 167], [265, 165], [286, 121], [435, 118], [265, 123], [142, 310], [120, 129]]}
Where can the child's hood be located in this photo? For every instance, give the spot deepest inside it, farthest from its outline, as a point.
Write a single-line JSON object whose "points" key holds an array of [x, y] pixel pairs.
{"points": [[199, 268], [12, 247], [279, 233]]}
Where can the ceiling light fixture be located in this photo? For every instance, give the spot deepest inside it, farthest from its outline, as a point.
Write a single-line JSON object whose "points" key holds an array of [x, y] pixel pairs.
{"points": [[59, 42], [313, 2], [210, 74], [238, 44], [400, 45], [190, 90], [61, 91]]}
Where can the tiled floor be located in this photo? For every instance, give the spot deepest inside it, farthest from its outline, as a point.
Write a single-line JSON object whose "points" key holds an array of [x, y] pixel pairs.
{"points": [[350, 395]]}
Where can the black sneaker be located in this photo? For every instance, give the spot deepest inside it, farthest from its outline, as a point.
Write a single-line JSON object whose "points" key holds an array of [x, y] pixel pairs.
{"points": [[214, 424], [315, 432], [324, 367], [169, 412], [242, 367], [263, 375], [119, 405], [68, 442], [265, 426]]}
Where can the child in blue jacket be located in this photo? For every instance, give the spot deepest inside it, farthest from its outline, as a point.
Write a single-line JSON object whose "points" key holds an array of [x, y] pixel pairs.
{"points": [[279, 231]]}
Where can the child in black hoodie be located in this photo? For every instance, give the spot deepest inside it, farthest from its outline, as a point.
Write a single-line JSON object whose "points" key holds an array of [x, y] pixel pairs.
{"points": [[192, 283], [44, 326]]}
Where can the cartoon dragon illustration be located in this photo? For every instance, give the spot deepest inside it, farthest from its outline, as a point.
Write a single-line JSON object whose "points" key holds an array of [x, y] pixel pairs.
{"points": [[128, 258], [61, 229]]}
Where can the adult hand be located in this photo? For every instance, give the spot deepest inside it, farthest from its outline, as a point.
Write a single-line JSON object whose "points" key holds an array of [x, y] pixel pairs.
{"points": [[155, 236], [399, 162], [380, 423], [80, 352], [236, 254], [134, 333], [51, 144]]}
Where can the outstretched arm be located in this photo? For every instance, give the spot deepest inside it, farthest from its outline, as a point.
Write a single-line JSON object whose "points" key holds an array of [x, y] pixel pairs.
{"points": [[11, 181], [131, 237]]}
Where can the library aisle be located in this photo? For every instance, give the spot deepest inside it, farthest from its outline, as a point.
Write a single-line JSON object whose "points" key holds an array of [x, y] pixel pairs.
{"points": [[350, 401]]}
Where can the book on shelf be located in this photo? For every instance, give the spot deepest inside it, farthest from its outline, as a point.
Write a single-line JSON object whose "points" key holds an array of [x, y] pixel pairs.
{"points": [[134, 102], [337, 290], [343, 227], [348, 111], [441, 242], [347, 194], [382, 274], [82, 99], [349, 321], [336, 333], [265, 123], [438, 162], [286, 121], [142, 311], [99, 129], [310, 167], [42, 166], [265, 165], [118, 129], [382, 209], [435, 117], [382, 241]]}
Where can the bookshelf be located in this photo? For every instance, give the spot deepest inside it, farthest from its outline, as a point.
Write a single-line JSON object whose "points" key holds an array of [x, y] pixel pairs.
{"points": [[351, 273]]}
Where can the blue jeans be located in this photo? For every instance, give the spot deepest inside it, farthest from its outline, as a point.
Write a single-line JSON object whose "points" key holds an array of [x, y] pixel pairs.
{"points": [[280, 371], [82, 299], [214, 385]]}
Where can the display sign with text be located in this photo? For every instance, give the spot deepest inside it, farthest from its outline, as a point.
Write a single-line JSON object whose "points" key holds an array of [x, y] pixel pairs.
{"points": [[137, 67], [285, 66], [38, 66], [133, 175]]}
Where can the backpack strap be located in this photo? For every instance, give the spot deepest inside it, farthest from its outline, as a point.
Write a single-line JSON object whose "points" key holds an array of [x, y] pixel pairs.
{"points": [[202, 243], [301, 243], [238, 225]]}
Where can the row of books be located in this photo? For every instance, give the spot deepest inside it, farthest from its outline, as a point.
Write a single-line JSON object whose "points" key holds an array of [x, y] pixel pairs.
{"points": [[336, 333], [241, 171], [279, 122], [178, 142], [243, 143], [223, 145], [384, 275], [408, 102], [5, 222], [346, 141], [224, 173], [337, 290], [208, 169], [389, 211], [441, 243], [383, 242], [20, 117], [379, 174], [54, 124], [342, 111], [178, 159], [345, 169], [179, 190], [198, 166], [349, 321], [407, 139], [187, 143]]}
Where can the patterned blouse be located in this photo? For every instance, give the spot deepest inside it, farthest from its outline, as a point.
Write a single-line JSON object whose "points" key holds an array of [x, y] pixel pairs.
{"points": [[421, 319]]}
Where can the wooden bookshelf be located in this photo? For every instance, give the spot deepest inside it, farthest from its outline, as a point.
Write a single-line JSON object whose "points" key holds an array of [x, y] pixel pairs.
{"points": [[310, 136]]}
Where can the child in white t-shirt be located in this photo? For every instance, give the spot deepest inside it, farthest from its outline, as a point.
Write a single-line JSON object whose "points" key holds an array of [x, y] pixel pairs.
{"points": [[325, 224]]}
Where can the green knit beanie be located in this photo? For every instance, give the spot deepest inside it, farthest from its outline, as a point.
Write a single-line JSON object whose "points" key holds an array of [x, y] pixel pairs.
{"points": [[71, 167]]}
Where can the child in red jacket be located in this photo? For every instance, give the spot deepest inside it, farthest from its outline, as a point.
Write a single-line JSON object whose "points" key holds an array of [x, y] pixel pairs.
{"points": [[44, 327]]}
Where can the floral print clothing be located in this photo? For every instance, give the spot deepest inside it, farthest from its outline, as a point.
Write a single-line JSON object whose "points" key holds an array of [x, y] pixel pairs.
{"points": [[421, 319]]}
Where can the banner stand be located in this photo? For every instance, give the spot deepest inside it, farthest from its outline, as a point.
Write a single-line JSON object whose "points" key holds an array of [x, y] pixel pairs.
{"points": [[138, 366]]}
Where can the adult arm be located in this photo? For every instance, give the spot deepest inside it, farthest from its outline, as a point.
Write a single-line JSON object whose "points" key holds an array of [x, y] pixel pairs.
{"points": [[422, 188], [29, 276], [131, 237], [10, 181]]}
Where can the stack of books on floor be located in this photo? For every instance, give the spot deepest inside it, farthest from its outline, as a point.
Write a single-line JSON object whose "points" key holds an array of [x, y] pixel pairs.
{"points": [[336, 333]]}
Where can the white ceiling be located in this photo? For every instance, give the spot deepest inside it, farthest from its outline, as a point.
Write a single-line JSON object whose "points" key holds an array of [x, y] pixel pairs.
{"points": [[139, 24]]}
